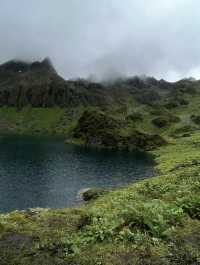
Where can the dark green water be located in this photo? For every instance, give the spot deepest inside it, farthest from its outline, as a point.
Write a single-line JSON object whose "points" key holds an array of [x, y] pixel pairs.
{"points": [[47, 173]]}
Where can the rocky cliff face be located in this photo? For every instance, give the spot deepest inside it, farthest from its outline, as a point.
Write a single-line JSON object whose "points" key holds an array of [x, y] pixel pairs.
{"points": [[38, 84]]}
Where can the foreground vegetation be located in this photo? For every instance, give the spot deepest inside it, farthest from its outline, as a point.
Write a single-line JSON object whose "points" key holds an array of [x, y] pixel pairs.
{"points": [[156, 221]]}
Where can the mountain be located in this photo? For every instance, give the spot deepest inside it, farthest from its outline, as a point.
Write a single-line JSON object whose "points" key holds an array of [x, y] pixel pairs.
{"points": [[38, 84], [126, 113], [155, 221]]}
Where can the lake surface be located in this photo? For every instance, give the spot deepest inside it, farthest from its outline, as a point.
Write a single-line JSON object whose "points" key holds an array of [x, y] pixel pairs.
{"points": [[45, 172]]}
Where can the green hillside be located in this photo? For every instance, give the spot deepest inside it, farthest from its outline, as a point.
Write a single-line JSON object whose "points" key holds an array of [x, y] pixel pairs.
{"points": [[152, 222]]}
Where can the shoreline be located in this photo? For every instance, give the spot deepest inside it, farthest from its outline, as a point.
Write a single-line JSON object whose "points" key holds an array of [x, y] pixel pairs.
{"points": [[105, 225]]}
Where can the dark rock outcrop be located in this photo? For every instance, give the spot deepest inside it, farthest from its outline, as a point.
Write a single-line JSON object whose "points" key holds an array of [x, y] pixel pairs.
{"points": [[92, 193], [38, 84], [100, 130]]}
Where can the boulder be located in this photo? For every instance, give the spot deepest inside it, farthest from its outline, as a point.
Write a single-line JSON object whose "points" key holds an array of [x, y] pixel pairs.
{"points": [[89, 194]]}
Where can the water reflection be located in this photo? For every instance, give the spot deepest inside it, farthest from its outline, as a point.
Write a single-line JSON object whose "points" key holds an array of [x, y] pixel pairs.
{"points": [[47, 173]]}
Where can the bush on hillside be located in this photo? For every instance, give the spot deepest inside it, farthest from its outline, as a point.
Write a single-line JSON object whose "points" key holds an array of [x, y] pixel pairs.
{"points": [[134, 117], [164, 121], [100, 130]]}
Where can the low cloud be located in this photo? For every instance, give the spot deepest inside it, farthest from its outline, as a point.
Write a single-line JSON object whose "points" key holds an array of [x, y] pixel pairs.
{"points": [[104, 38]]}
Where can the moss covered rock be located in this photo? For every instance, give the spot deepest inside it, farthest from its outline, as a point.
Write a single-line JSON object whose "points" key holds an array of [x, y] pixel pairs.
{"points": [[92, 193], [100, 130]]}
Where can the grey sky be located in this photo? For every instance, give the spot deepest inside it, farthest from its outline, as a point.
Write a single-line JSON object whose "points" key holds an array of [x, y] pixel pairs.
{"points": [[104, 37]]}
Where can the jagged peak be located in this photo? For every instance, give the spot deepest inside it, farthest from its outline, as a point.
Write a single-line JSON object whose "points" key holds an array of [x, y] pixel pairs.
{"points": [[14, 66], [23, 66], [46, 64]]}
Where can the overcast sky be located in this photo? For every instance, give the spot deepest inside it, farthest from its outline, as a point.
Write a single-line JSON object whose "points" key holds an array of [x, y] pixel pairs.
{"points": [[105, 38]]}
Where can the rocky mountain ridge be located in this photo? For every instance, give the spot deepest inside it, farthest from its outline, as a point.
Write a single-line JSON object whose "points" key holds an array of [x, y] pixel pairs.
{"points": [[38, 84]]}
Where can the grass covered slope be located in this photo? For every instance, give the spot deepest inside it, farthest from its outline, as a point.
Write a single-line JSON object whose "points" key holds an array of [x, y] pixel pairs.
{"points": [[127, 114], [125, 121], [156, 221]]}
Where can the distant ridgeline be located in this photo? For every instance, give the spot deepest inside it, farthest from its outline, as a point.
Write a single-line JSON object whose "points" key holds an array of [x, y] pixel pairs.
{"points": [[38, 84]]}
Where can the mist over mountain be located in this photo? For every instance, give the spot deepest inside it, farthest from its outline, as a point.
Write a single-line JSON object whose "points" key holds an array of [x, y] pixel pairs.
{"points": [[38, 84], [104, 38]]}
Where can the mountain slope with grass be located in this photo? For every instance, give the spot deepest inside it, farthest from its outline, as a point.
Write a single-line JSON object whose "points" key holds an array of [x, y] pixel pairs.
{"points": [[34, 99], [155, 221]]}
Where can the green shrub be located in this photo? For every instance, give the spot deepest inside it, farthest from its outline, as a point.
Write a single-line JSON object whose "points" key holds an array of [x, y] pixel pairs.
{"points": [[164, 121], [190, 205], [134, 117], [195, 119], [155, 217]]}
